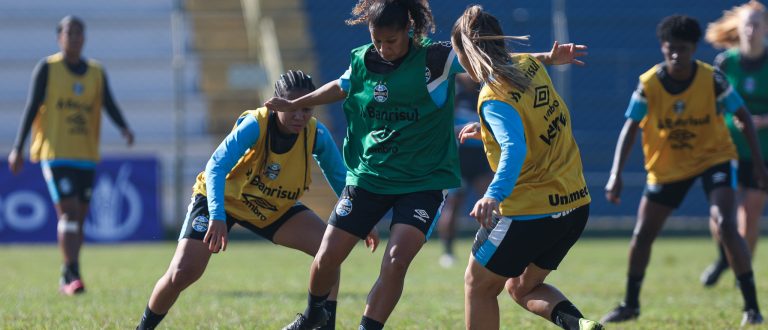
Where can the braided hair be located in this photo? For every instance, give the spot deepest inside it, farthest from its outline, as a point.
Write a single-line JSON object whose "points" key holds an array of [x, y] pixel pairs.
{"points": [[395, 14], [293, 80]]}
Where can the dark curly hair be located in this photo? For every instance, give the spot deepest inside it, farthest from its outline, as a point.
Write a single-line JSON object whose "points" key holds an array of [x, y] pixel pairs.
{"points": [[679, 27], [395, 14]]}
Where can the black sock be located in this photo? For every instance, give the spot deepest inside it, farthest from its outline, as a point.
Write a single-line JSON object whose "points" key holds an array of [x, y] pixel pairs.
{"points": [[149, 320], [448, 246], [566, 315], [330, 306], [722, 262], [370, 324], [71, 272], [746, 283], [634, 283], [315, 305]]}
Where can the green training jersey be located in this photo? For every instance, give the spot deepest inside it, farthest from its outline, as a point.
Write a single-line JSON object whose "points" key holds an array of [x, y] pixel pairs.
{"points": [[753, 87], [398, 140]]}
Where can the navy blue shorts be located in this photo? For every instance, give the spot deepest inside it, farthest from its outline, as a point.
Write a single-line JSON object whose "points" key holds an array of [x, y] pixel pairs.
{"points": [[672, 194], [65, 182]]}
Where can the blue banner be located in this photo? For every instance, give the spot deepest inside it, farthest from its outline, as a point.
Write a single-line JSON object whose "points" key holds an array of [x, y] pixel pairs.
{"points": [[125, 204]]}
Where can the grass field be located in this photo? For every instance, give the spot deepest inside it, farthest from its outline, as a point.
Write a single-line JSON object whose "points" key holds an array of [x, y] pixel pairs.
{"points": [[256, 285]]}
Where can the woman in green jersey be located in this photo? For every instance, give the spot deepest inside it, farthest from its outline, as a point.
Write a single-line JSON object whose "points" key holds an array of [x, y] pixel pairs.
{"points": [[400, 149], [742, 31]]}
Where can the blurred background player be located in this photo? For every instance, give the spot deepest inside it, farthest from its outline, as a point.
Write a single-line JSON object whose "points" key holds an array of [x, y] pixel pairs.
{"points": [[742, 31], [255, 178], [63, 111], [475, 172], [524, 234], [679, 105]]}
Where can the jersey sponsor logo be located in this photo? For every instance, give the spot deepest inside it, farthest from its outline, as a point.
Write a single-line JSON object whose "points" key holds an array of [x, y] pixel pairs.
{"points": [[541, 96], [680, 139], [70, 104], [562, 214], [384, 134], [393, 114], [272, 171], [200, 224], [420, 214], [553, 130], [515, 96], [380, 93], [78, 88], [669, 123], [678, 107], [344, 207], [254, 203], [278, 192], [532, 69], [557, 199], [77, 124]]}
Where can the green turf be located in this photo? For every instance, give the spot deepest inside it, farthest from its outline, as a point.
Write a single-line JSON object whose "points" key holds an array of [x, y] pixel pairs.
{"points": [[256, 285]]}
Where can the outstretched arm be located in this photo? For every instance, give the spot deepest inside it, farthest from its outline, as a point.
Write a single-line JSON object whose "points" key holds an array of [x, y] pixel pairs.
{"points": [[562, 54], [328, 93]]}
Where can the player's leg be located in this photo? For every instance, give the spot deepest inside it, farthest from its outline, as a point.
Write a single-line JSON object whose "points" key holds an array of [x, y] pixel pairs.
{"points": [[355, 214], [414, 216], [303, 230], [447, 226], [656, 205], [481, 289], [187, 266]]}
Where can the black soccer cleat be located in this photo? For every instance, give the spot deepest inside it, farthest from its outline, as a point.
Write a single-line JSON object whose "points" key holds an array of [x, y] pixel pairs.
{"points": [[751, 317], [712, 273], [622, 313], [303, 323]]}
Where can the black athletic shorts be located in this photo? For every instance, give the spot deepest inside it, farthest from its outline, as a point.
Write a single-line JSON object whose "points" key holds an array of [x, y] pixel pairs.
{"points": [[65, 182], [359, 210], [672, 194], [746, 174], [511, 245], [196, 222]]}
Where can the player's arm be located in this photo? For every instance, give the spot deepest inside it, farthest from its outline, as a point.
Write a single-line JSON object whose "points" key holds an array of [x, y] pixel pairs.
{"points": [[329, 158], [638, 108], [37, 90], [729, 100], [219, 165], [333, 91], [114, 112], [562, 54], [505, 125]]}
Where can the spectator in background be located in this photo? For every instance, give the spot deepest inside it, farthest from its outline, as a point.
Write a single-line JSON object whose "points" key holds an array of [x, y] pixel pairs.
{"points": [[742, 30], [475, 172], [64, 113], [255, 178], [679, 106]]}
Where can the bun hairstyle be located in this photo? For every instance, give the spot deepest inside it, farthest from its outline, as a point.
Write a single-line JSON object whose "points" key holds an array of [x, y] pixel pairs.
{"points": [[397, 14], [478, 35]]}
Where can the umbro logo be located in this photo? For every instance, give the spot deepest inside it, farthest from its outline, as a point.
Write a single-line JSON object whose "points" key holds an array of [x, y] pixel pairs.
{"points": [[719, 177], [421, 215]]}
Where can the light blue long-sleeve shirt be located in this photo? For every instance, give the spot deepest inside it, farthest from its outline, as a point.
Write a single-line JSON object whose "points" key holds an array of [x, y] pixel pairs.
{"points": [[235, 145]]}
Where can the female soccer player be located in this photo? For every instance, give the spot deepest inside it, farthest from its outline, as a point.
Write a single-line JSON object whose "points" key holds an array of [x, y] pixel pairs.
{"points": [[400, 148], [255, 178], [64, 113], [742, 30], [530, 218], [679, 106]]}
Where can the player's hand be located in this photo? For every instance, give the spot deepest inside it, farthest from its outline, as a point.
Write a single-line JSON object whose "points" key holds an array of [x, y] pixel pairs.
{"points": [[613, 189], [761, 174], [216, 236], [127, 135], [470, 131], [484, 211], [372, 240], [15, 161], [279, 104], [566, 54]]}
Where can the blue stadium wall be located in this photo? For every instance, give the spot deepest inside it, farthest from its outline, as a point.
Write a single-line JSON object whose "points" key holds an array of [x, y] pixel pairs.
{"points": [[621, 36]]}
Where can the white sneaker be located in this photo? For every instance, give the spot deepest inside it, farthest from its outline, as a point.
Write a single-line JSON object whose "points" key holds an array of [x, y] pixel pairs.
{"points": [[447, 260]]}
